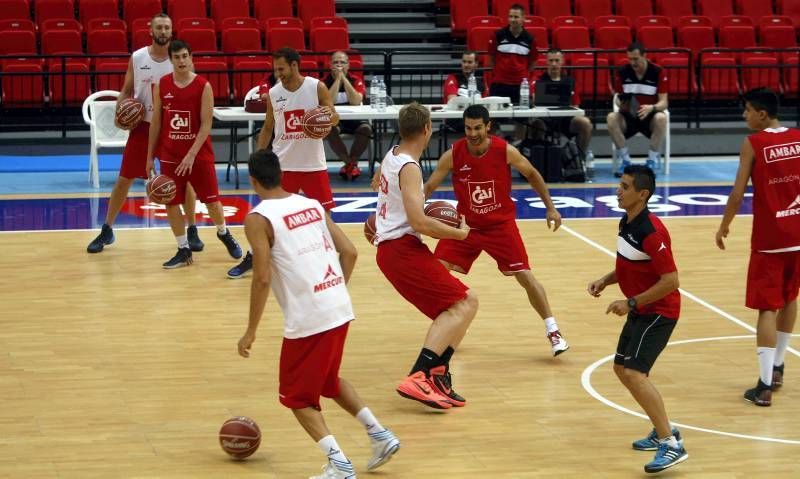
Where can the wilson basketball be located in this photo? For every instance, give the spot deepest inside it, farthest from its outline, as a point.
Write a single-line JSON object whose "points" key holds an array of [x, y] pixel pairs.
{"points": [[130, 112], [161, 189], [444, 212], [239, 437], [369, 228], [316, 123]]}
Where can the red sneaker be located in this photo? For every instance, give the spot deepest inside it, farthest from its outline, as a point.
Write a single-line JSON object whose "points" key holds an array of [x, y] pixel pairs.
{"points": [[420, 388], [440, 377]]}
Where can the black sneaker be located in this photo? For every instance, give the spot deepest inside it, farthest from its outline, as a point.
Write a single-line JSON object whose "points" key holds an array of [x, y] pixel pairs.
{"points": [[182, 258], [761, 395], [230, 242], [105, 237], [195, 244], [242, 268], [777, 377], [441, 379]]}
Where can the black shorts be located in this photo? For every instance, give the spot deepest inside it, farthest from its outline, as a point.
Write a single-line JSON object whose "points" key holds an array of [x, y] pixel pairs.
{"points": [[349, 126], [503, 89], [634, 125], [642, 339], [560, 125]]}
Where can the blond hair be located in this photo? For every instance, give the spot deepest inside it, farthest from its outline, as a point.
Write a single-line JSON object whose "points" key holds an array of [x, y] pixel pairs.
{"points": [[413, 120]]}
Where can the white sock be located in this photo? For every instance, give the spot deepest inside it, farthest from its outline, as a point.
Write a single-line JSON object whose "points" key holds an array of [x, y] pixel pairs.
{"points": [[330, 448], [222, 229], [671, 441], [622, 153], [183, 241], [653, 155], [766, 358], [550, 324], [369, 421], [780, 347]]}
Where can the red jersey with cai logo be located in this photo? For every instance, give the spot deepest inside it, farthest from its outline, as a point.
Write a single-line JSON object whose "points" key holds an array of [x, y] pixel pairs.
{"points": [[181, 109], [482, 184], [776, 190]]}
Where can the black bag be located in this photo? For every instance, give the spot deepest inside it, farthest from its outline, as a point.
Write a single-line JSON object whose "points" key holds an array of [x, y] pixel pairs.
{"points": [[572, 161], [545, 157]]}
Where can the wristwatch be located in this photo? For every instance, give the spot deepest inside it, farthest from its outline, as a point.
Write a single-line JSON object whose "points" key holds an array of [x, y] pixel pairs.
{"points": [[632, 303]]}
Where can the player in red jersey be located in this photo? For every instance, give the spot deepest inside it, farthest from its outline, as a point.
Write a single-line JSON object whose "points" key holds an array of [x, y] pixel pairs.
{"points": [[648, 277], [184, 103], [482, 184], [770, 158]]}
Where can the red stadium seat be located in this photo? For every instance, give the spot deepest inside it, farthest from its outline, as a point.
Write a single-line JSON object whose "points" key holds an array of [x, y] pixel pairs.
{"points": [[568, 21], [791, 77], [22, 82], [484, 21], [141, 38], [775, 20], [222, 9], [136, 9], [791, 9], [571, 38], [182, 9], [653, 20], [51, 9], [715, 10], [60, 24], [201, 40], [241, 22], [634, 8], [106, 24], [779, 36], [613, 38], [656, 36], [17, 42], [283, 22], [324, 39], [540, 36], [106, 41], [241, 39], [215, 70], [20, 24], [736, 20], [674, 9], [760, 69], [718, 76], [592, 9], [197, 23], [611, 21], [308, 9], [15, 10], [696, 38], [695, 21], [266, 9], [478, 40], [329, 22], [754, 9], [309, 68], [550, 9], [737, 37], [680, 74], [462, 10], [590, 83], [59, 42], [247, 73], [110, 73], [286, 37], [71, 87], [89, 10]]}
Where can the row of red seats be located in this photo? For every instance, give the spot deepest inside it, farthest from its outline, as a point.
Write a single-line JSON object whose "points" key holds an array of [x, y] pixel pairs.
{"points": [[24, 80], [58, 37], [218, 10], [462, 10]]}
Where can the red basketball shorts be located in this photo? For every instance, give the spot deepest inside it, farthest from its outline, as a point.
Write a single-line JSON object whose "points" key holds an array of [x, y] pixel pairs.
{"points": [[773, 280], [313, 184], [309, 368], [203, 179], [501, 241], [134, 156], [418, 276]]}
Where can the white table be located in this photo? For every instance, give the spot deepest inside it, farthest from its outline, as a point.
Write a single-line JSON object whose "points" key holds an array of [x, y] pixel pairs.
{"points": [[236, 114]]}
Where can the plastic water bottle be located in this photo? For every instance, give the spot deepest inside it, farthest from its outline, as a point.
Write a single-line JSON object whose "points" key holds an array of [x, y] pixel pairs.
{"points": [[589, 164], [373, 93], [525, 94], [472, 87], [381, 96]]}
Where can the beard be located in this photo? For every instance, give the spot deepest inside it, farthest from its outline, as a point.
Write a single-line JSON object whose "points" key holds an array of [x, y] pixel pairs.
{"points": [[161, 41]]}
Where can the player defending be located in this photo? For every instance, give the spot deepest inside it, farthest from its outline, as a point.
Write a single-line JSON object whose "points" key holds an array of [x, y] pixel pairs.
{"points": [[145, 68], [302, 158], [309, 259], [482, 184], [648, 278], [411, 267], [770, 159], [184, 103]]}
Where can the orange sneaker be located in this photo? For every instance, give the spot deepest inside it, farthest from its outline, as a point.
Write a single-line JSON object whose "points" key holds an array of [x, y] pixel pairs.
{"points": [[419, 388], [440, 377]]}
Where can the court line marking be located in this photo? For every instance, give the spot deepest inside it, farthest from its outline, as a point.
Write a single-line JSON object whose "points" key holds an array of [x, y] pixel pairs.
{"points": [[587, 385]]}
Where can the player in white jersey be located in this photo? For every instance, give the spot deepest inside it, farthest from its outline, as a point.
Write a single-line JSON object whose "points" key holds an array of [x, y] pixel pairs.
{"points": [[145, 68], [306, 259], [413, 270], [302, 158]]}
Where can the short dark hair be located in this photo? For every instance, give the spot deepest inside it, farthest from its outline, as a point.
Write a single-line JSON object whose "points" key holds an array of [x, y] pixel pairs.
{"points": [[177, 45], [553, 50], [763, 99], [470, 52], [643, 178], [265, 168], [160, 15], [517, 6], [636, 46], [289, 54], [477, 112]]}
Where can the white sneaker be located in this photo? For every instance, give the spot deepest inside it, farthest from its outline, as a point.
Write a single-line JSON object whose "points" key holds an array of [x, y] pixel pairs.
{"points": [[557, 342], [384, 445], [329, 471]]}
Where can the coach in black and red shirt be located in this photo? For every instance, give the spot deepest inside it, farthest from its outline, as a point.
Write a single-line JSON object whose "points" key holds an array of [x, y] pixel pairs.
{"points": [[648, 278], [512, 54], [641, 88]]}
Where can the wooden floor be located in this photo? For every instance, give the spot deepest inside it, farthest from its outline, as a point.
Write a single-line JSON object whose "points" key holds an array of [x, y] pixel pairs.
{"points": [[113, 367]]}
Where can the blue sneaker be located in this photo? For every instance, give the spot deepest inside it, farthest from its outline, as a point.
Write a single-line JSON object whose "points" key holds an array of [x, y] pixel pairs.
{"points": [[651, 442], [105, 237], [242, 268], [651, 164], [230, 244], [666, 457], [622, 166]]}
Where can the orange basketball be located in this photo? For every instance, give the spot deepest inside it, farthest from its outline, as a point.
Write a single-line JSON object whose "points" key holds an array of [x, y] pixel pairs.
{"points": [[239, 437], [161, 189], [444, 212], [316, 123], [369, 228], [130, 112]]}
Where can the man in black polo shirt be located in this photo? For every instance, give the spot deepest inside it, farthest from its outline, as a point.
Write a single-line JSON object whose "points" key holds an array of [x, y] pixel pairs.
{"points": [[647, 276], [642, 98], [512, 54]]}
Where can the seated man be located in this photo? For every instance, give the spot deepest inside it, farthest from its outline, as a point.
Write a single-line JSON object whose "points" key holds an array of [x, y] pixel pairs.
{"points": [[579, 126], [457, 84], [347, 90]]}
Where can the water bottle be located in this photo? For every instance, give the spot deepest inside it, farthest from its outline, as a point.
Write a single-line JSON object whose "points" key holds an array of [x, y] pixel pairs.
{"points": [[589, 164], [381, 96], [472, 87], [373, 93], [524, 94]]}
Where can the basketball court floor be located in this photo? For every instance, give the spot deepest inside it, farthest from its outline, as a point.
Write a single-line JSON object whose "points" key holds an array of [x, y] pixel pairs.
{"points": [[114, 367]]}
